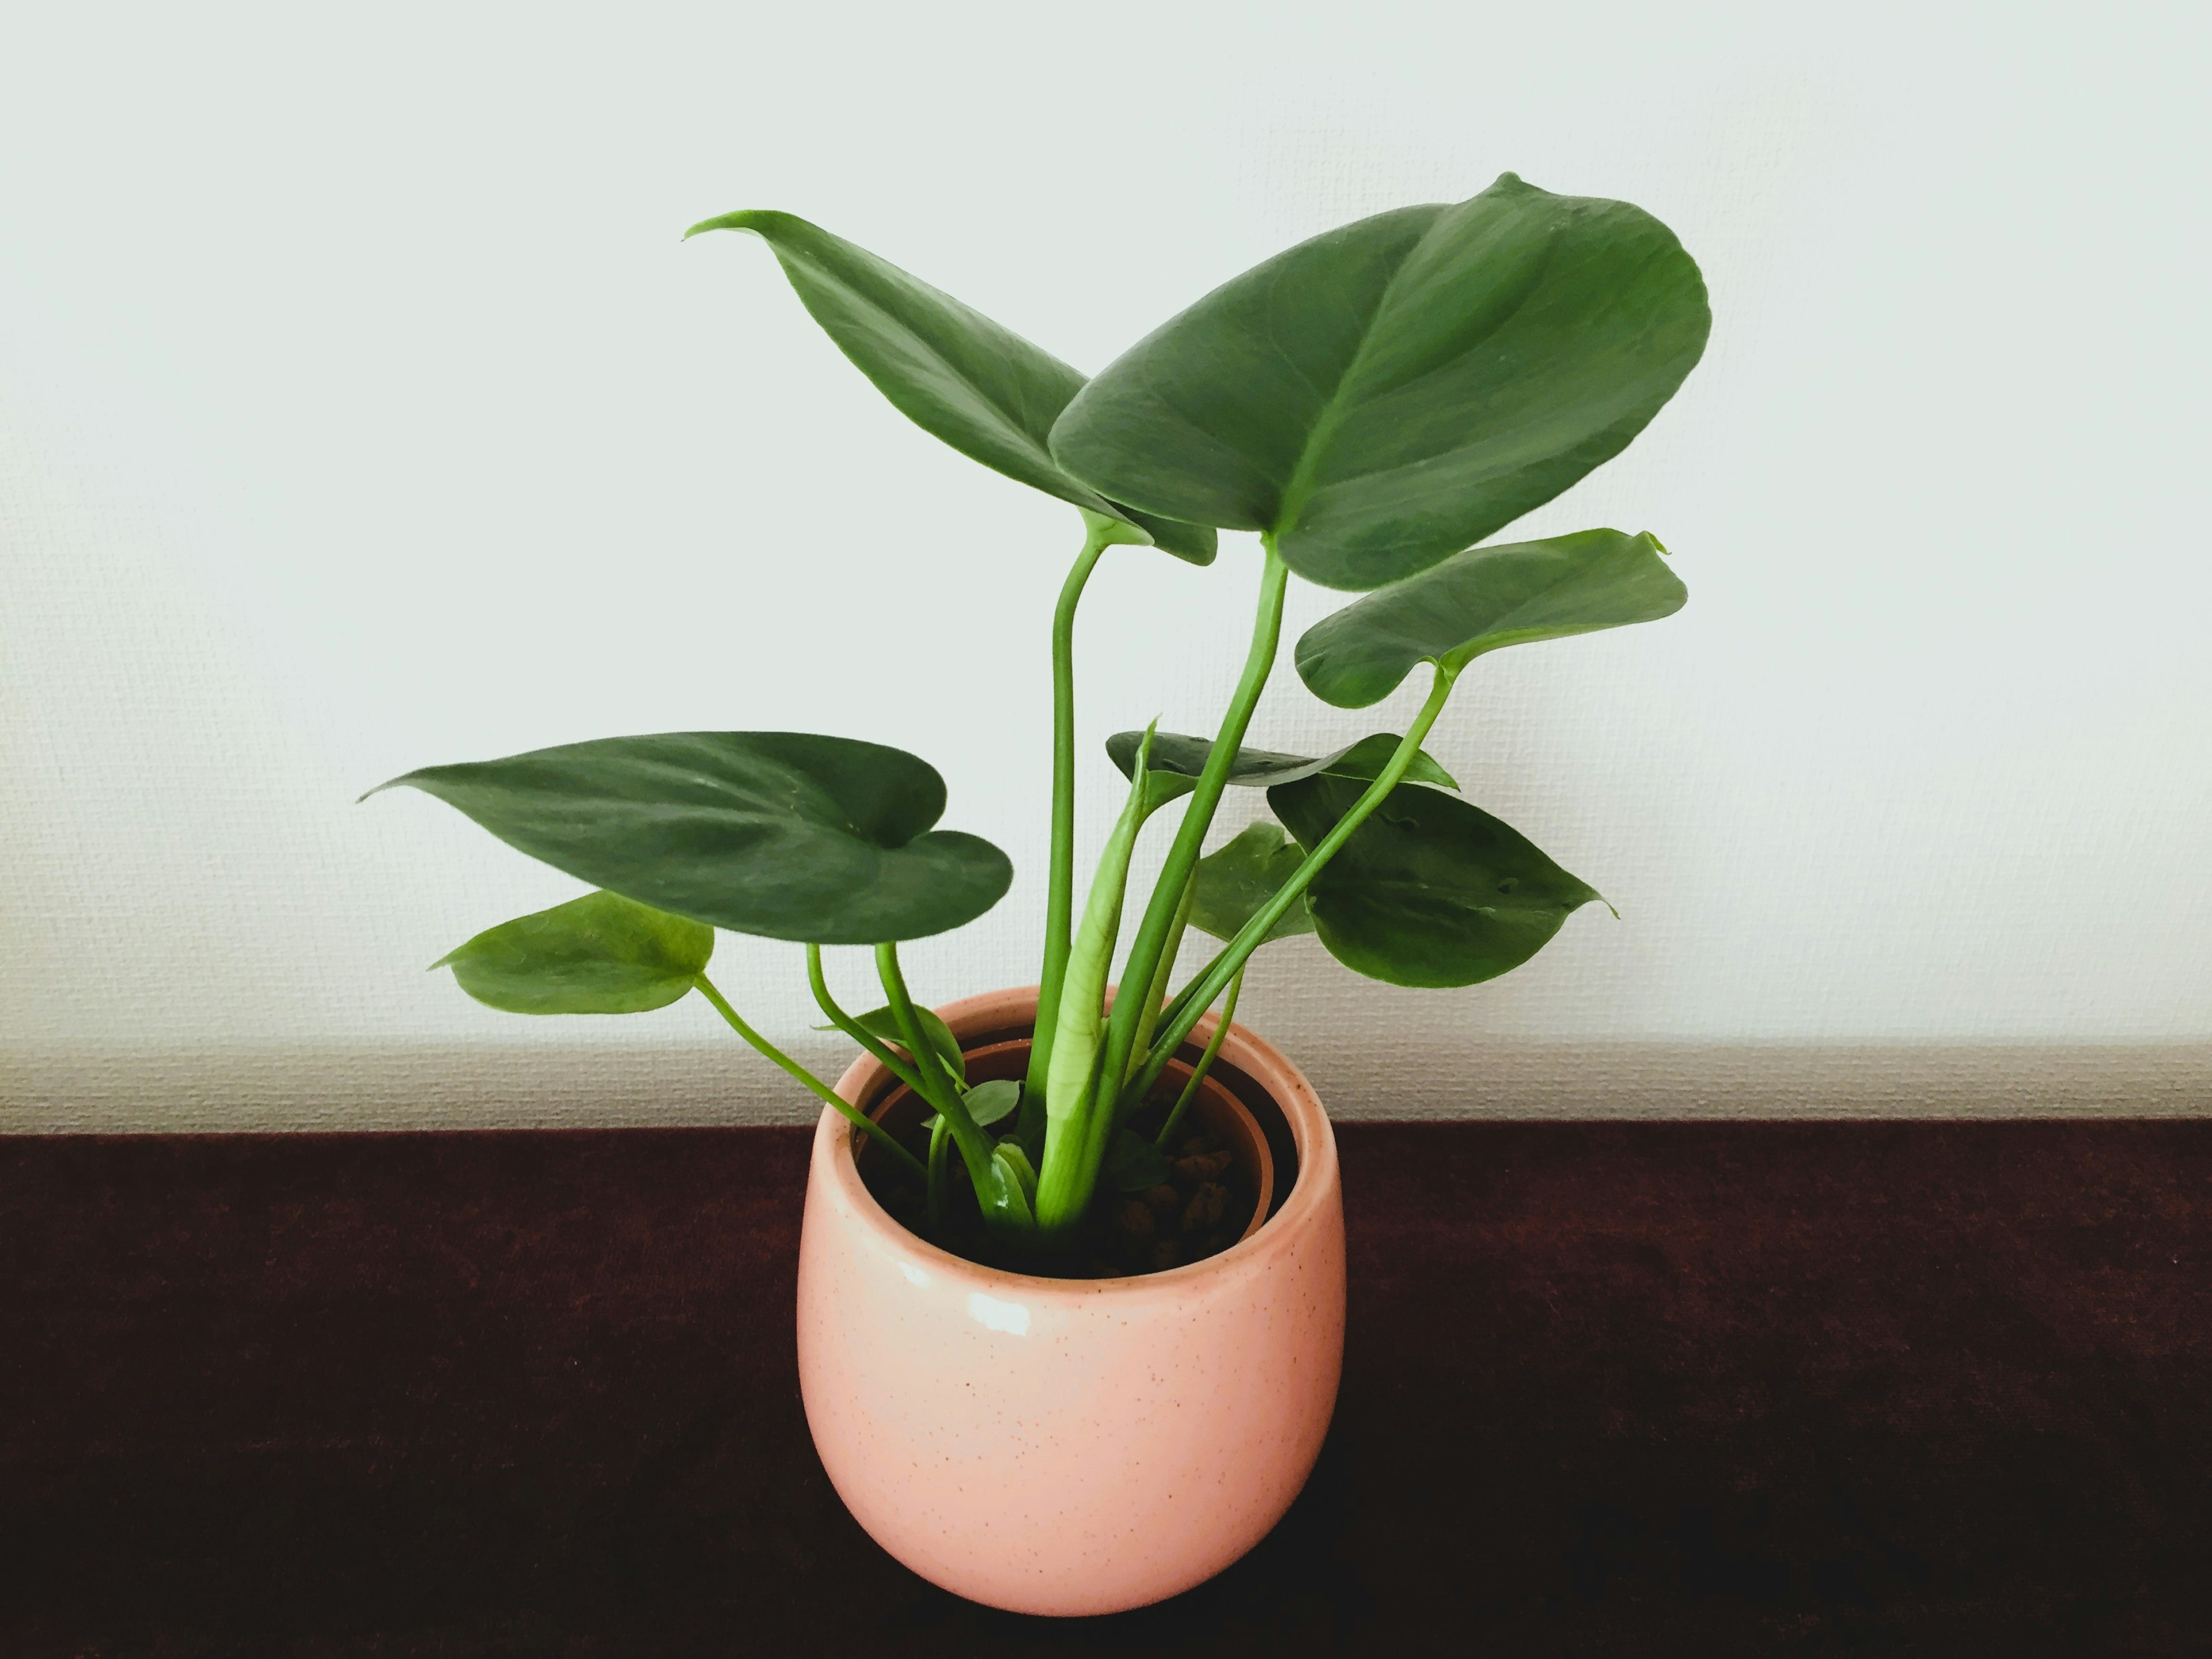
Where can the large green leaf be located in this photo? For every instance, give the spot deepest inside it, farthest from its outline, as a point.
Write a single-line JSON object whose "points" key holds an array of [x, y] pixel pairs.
{"points": [[1234, 884], [1384, 395], [1481, 600], [1429, 890], [600, 954], [951, 370], [1176, 761], [782, 833]]}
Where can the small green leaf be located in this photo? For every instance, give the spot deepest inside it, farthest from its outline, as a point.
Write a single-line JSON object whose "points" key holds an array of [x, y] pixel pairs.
{"points": [[951, 370], [1133, 1163], [1429, 890], [1399, 388], [1176, 761], [600, 954], [884, 1023], [782, 833], [1235, 883], [1483, 600], [990, 1102]]}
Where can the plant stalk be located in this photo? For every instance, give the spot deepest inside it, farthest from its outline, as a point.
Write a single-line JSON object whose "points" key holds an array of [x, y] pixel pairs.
{"points": [[882, 1135], [853, 1029], [1204, 1065], [1059, 893], [1156, 992], [1144, 951], [1074, 1142], [938, 1090], [1231, 959], [941, 1171]]}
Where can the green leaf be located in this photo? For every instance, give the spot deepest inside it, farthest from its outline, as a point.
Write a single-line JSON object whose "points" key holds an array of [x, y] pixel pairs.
{"points": [[600, 954], [1388, 393], [1482, 600], [1235, 883], [780, 834], [951, 370], [1176, 761], [884, 1023], [1429, 890], [990, 1102], [1133, 1163], [986, 1103]]}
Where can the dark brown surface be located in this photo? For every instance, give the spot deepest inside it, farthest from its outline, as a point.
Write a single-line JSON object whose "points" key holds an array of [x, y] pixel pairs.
{"points": [[1933, 1388]]}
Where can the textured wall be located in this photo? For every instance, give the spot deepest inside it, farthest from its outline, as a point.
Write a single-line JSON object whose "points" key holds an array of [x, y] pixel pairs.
{"points": [[360, 409]]}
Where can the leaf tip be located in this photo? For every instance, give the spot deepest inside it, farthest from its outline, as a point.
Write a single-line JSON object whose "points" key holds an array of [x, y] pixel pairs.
{"points": [[740, 220]]}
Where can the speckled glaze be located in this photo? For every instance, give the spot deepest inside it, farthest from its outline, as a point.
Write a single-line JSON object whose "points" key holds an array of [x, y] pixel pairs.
{"points": [[1069, 1447]]}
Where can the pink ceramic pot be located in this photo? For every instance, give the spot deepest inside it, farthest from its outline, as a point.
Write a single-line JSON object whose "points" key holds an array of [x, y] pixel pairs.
{"points": [[1061, 1446]]}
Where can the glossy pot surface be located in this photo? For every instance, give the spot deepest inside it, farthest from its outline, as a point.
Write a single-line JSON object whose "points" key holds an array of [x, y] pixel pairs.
{"points": [[1069, 1446]]}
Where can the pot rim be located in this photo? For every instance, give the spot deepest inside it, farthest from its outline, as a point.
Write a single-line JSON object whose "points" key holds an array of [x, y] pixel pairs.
{"points": [[1250, 1053]]}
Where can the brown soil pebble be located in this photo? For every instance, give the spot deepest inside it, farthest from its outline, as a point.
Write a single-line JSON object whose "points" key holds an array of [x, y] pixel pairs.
{"points": [[1204, 1212], [1134, 1223], [1204, 1166], [1199, 1211]]}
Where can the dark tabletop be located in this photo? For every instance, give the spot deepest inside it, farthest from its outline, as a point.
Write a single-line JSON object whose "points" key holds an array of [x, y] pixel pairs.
{"points": [[1857, 1388]]}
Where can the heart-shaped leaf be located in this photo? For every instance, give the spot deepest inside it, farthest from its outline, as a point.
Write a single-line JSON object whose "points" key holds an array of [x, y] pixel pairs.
{"points": [[1234, 884], [1393, 390], [951, 370], [1482, 600], [600, 954], [990, 1102], [782, 833], [1133, 1163], [987, 1103], [1179, 759], [884, 1023], [1429, 890]]}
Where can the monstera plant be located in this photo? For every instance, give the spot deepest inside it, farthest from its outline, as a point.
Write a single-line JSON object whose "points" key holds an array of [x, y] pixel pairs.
{"points": [[1372, 405]]}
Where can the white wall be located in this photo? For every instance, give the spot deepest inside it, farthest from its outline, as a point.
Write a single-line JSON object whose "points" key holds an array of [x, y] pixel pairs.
{"points": [[360, 409]]}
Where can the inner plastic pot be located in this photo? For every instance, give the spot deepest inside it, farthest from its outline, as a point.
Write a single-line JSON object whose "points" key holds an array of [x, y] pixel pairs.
{"points": [[1264, 1167]]}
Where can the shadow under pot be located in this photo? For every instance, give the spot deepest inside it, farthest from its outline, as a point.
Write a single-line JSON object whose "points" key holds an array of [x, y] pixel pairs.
{"points": [[1071, 1446]]}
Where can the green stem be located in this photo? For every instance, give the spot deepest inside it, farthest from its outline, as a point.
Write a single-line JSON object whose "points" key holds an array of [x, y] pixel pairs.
{"points": [[1158, 990], [882, 1135], [1079, 1123], [853, 1029], [1232, 957], [1179, 1001], [941, 1171], [1198, 817], [1059, 893], [1204, 1065], [937, 1089]]}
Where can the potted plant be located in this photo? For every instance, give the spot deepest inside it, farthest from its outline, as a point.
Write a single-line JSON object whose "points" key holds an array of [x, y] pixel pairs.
{"points": [[1071, 1314]]}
